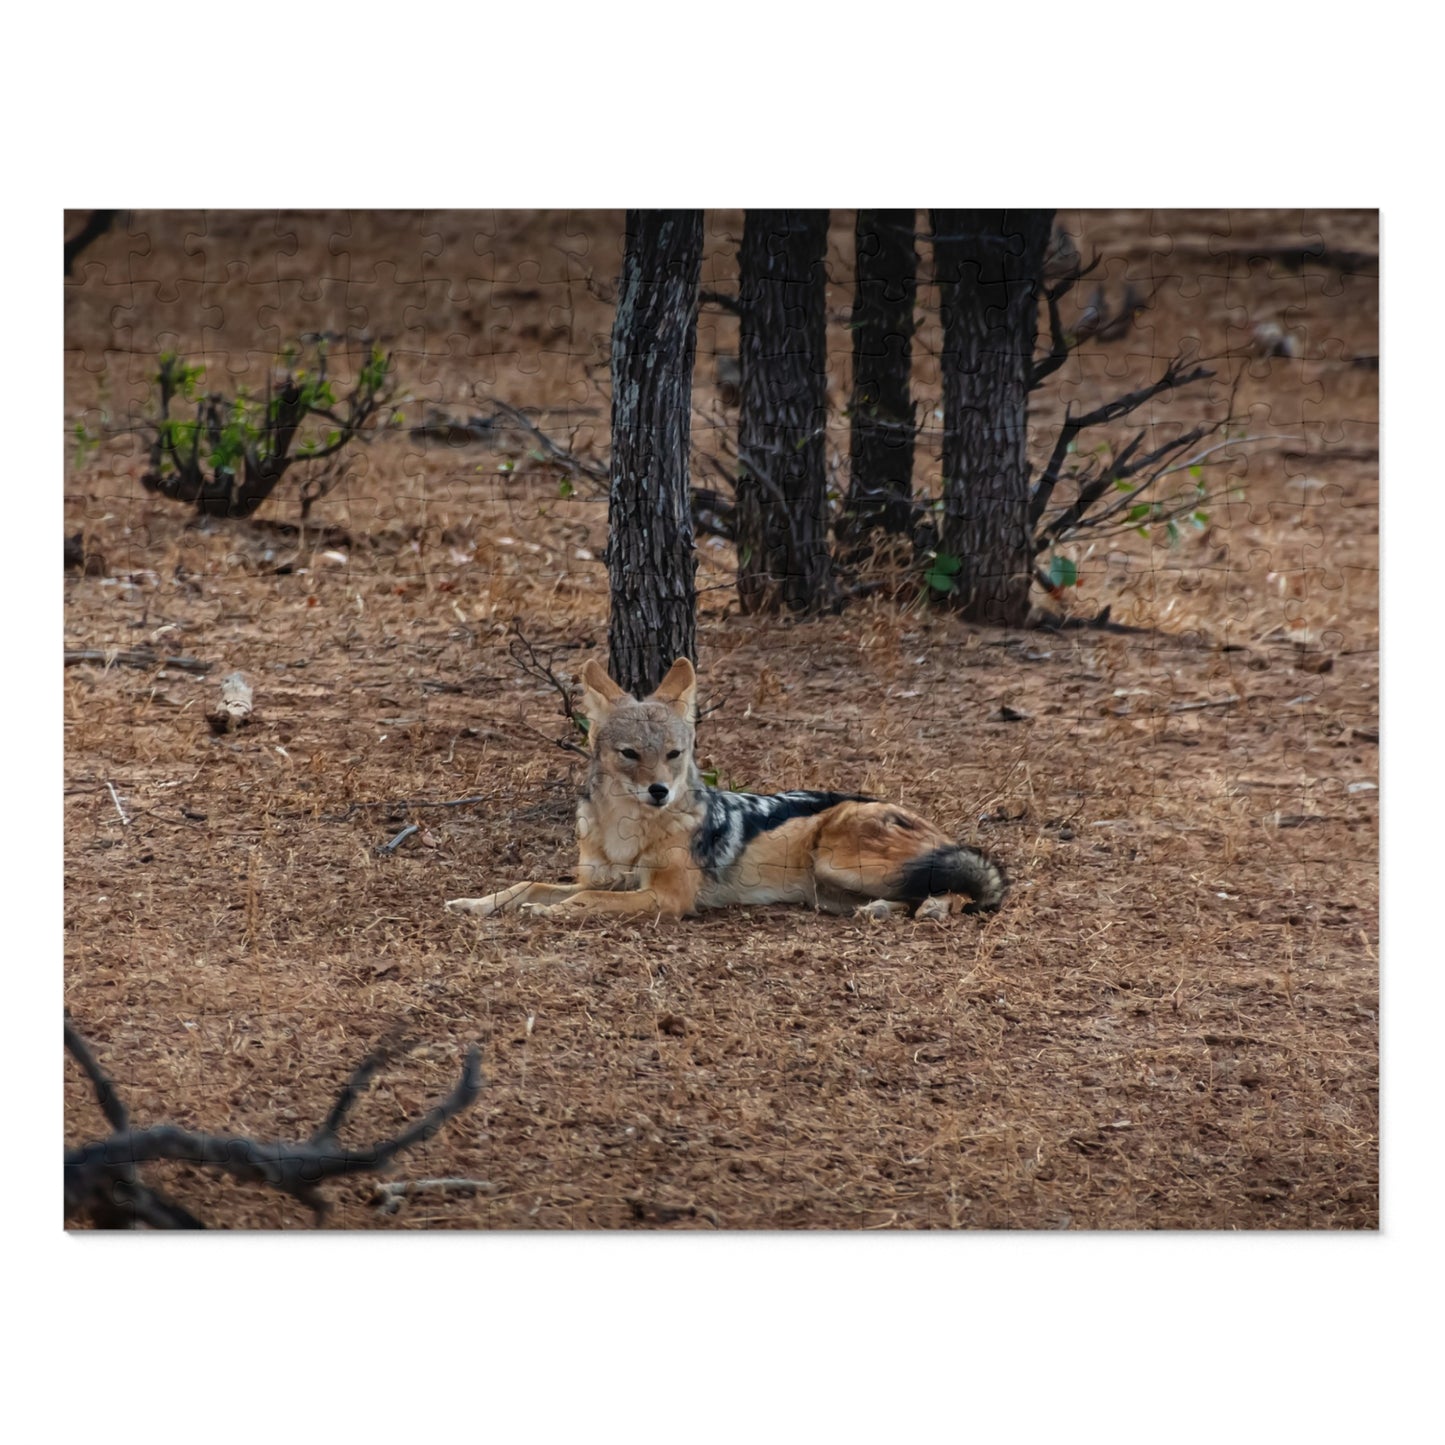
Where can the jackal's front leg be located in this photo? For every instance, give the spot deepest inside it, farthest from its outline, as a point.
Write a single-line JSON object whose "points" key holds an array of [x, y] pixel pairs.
{"points": [[665, 897], [516, 896]]}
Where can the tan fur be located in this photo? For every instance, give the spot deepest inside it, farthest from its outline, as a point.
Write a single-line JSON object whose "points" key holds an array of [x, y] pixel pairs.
{"points": [[636, 854]]}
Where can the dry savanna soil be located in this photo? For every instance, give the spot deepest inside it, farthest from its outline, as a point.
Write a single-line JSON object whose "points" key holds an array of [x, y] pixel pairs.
{"points": [[1170, 1024]]}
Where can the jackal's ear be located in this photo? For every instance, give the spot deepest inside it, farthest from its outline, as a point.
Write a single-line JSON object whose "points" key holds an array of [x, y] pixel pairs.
{"points": [[599, 693], [679, 689]]}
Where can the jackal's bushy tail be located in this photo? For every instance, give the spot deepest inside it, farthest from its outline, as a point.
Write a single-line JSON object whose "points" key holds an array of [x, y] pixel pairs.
{"points": [[953, 869]]}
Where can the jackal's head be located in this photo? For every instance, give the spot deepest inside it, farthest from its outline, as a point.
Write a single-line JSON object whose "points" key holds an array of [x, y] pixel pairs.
{"points": [[640, 749]]}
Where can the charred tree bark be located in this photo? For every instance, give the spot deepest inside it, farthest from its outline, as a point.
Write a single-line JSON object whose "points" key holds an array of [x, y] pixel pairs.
{"points": [[782, 500], [989, 266], [650, 557], [880, 489], [96, 225]]}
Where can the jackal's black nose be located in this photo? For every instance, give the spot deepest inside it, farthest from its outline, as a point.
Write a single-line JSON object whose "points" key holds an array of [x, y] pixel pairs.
{"points": [[659, 793]]}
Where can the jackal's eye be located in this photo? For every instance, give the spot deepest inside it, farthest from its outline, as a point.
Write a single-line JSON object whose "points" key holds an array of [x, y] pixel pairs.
{"points": [[674, 755], [631, 754]]}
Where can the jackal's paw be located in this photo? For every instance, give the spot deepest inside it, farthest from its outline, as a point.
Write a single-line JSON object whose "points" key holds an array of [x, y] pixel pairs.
{"points": [[479, 907], [933, 910], [876, 910], [539, 910]]}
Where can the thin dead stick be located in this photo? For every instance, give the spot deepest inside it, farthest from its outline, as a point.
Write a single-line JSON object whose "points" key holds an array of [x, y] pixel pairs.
{"points": [[1197, 706], [140, 658], [571, 460], [524, 653], [115, 798], [564, 743], [1183, 707]]}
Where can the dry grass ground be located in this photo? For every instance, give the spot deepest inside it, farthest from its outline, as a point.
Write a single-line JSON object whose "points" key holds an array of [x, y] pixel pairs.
{"points": [[1172, 1023]]}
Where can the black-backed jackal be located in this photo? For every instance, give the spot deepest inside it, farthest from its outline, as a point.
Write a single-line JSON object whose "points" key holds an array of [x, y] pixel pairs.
{"points": [[655, 839]]}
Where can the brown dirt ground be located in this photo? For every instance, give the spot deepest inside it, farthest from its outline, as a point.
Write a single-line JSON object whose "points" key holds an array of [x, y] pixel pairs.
{"points": [[1172, 1023]]}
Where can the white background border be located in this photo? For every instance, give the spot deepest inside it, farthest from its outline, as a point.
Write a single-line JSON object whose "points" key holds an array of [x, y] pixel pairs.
{"points": [[690, 1338]]}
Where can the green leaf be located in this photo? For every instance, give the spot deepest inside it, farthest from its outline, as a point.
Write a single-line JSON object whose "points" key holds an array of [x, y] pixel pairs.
{"points": [[1138, 510], [1200, 520], [1120, 485], [940, 576], [565, 487], [1062, 572], [1173, 529], [1196, 472]]}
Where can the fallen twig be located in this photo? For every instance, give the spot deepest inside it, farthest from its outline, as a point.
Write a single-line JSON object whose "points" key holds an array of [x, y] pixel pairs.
{"points": [[1198, 706], [1176, 707], [140, 657], [115, 798]]}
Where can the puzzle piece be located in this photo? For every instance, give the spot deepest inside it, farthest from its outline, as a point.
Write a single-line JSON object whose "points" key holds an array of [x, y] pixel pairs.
{"points": [[1177, 768]]}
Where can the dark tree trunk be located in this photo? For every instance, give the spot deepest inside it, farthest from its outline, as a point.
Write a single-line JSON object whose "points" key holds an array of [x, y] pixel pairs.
{"points": [[880, 490], [650, 558], [782, 501], [989, 266], [96, 225]]}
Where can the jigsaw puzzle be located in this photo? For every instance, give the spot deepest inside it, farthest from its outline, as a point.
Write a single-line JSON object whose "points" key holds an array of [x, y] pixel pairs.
{"points": [[961, 629]]}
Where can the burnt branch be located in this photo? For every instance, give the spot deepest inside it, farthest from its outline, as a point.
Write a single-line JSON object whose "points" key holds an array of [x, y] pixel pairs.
{"points": [[1076, 515], [1174, 376], [1163, 512], [100, 1180], [1044, 487], [596, 471], [1060, 342], [106, 1097], [524, 653]]}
